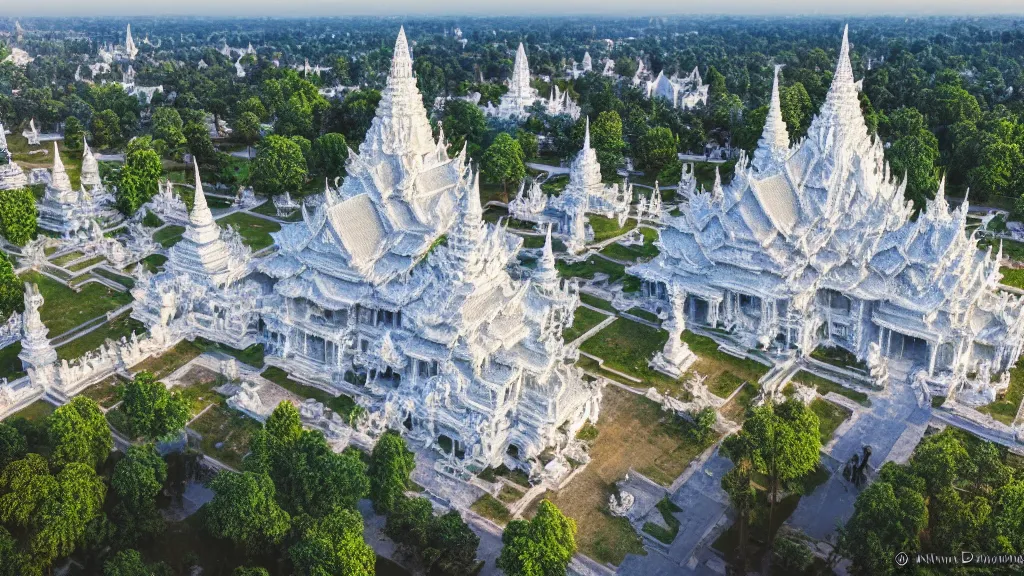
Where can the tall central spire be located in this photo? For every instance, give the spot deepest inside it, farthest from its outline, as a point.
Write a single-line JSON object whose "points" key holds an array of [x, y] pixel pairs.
{"points": [[774, 143], [840, 115], [201, 215], [520, 82], [401, 61], [586, 135]]}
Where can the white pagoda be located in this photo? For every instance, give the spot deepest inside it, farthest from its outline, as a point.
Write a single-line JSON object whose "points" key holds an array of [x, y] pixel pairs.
{"points": [[395, 291], [65, 210], [130, 49], [36, 350], [203, 289], [585, 194], [521, 96], [814, 245], [11, 175], [687, 92]]}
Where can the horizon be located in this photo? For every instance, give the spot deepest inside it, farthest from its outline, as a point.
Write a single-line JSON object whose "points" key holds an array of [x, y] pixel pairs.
{"points": [[295, 9]]}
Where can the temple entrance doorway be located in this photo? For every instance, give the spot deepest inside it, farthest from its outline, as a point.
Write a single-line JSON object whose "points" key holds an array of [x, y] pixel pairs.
{"points": [[902, 347], [697, 309]]}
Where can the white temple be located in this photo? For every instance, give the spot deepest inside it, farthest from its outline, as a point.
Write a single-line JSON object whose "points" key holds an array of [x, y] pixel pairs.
{"points": [[11, 175], [203, 290], [585, 194], [521, 96], [814, 245], [67, 211], [685, 93], [395, 291], [36, 349]]}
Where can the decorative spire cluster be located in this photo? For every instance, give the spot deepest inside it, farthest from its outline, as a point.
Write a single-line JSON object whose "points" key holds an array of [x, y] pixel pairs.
{"points": [[90, 168], [520, 83], [840, 116]]}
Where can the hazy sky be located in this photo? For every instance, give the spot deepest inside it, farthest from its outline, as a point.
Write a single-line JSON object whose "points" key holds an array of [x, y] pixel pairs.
{"points": [[489, 7]]}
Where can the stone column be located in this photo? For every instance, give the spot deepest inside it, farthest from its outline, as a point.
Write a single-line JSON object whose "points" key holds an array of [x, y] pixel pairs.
{"points": [[933, 349]]}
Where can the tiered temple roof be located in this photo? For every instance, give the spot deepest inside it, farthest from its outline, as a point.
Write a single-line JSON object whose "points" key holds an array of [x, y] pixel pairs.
{"points": [[396, 290], [802, 224], [11, 175]]}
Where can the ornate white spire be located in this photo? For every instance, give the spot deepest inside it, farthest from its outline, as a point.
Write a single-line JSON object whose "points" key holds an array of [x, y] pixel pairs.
{"points": [[401, 60], [520, 82], [129, 44], [201, 215], [546, 275], [840, 116], [469, 232], [36, 350], [3, 138], [586, 135], [59, 178], [90, 168], [774, 142], [717, 193]]}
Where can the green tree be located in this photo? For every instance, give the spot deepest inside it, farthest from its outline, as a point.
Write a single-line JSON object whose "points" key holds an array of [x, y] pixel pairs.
{"points": [[199, 145], [244, 511], [279, 167], [528, 143], [137, 480], [328, 156], [13, 445], [503, 162], [887, 519], [791, 557], [542, 546], [11, 291], [445, 545], [126, 563], [168, 129], [737, 484], [253, 106], [106, 129], [656, 149], [150, 410], [139, 178], [353, 115], [940, 460], [783, 443], [334, 545], [606, 139], [391, 463], [913, 153], [250, 571], [796, 109], [79, 433], [464, 126], [309, 477], [74, 133], [248, 129], [998, 169], [1008, 515], [18, 215], [52, 512]]}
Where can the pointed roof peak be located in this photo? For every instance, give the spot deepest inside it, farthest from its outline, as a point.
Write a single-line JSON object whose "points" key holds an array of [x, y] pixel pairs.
{"points": [[586, 135], [473, 207], [57, 162], [200, 210], [774, 142], [401, 60]]}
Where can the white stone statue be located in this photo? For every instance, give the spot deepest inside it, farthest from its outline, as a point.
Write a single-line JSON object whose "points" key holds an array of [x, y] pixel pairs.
{"points": [[676, 357], [878, 365]]}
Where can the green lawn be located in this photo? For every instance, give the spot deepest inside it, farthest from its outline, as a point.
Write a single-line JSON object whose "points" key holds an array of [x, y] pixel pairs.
{"points": [[1012, 276], [555, 184], [597, 302], [584, 320], [340, 404], [125, 281], [667, 509], [1005, 408], [85, 263], [490, 507], [105, 392], [255, 231], [605, 228], [123, 325], [837, 356], [169, 361], [153, 262], [1011, 249], [641, 313], [226, 434], [64, 308], [268, 209], [830, 416], [168, 235], [253, 355], [824, 386], [633, 253], [589, 267], [66, 258], [628, 347], [10, 364], [34, 412]]}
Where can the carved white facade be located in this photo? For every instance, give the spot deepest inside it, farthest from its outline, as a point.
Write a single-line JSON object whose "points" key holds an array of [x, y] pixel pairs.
{"points": [[203, 289], [814, 245], [68, 211], [394, 290], [687, 92]]}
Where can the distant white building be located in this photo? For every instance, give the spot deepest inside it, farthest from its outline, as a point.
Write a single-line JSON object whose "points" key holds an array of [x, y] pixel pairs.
{"points": [[521, 96]]}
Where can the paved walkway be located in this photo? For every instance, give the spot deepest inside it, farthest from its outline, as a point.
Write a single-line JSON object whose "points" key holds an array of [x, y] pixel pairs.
{"points": [[892, 425]]}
